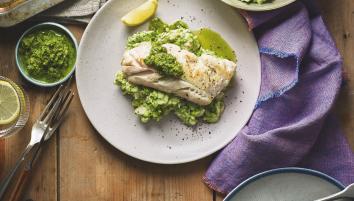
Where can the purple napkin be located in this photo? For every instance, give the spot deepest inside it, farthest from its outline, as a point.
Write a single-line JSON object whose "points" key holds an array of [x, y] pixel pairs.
{"points": [[291, 125]]}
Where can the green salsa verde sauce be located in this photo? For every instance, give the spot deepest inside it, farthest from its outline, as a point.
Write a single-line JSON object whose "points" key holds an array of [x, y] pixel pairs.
{"points": [[47, 54], [212, 41]]}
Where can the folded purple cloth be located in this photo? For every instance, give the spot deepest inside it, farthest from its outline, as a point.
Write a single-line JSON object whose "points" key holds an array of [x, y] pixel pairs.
{"points": [[291, 125]]}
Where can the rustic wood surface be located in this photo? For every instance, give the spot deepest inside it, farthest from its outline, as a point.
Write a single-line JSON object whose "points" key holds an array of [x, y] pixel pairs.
{"points": [[339, 17], [79, 165]]}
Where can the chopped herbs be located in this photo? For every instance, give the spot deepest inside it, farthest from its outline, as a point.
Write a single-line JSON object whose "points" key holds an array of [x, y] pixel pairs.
{"points": [[140, 37], [214, 111], [161, 33], [47, 55], [189, 113], [165, 63]]}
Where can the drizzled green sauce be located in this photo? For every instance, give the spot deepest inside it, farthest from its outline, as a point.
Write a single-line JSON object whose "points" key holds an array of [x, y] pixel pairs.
{"points": [[212, 41]]}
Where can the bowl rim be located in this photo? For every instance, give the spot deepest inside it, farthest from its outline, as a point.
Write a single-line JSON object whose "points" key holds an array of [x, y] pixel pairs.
{"points": [[25, 109], [38, 82], [312, 172], [257, 7]]}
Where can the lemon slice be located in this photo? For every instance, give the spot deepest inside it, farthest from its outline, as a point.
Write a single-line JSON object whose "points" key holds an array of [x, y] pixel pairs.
{"points": [[9, 103], [140, 14]]}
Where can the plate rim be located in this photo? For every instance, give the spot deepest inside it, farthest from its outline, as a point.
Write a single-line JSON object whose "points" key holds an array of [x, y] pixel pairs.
{"points": [[173, 161], [306, 171], [258, 8]]}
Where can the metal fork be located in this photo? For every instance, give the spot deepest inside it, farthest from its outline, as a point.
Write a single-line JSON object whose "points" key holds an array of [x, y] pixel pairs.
{"points": [[47, 123]]}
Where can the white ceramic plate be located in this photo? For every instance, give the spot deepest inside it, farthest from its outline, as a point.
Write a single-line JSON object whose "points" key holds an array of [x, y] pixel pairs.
{"points": [[286, 184], [258, 7], [169, 141]]}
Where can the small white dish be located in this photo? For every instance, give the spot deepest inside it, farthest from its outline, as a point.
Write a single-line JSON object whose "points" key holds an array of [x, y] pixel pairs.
{"points": [[286, 184], [168, 141]]}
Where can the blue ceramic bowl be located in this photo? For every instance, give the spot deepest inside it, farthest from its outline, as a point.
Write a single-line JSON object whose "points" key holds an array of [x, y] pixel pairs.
{"points": [[23, 71], [285, 184]]}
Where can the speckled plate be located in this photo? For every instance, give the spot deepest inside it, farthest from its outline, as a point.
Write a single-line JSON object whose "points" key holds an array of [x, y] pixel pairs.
{"points": [[274, 4], [168, 141], [286, 184]]}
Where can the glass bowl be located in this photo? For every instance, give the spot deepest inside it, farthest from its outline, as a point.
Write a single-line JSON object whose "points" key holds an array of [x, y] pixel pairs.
{"points": [[22, 119]]}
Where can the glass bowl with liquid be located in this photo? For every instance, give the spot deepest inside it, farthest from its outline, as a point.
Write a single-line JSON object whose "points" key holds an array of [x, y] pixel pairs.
{"points": [[19, 103]]}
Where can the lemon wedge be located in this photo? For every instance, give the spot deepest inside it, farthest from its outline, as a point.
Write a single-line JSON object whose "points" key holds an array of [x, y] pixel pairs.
{"points": [[140, 14], [9, 103]]}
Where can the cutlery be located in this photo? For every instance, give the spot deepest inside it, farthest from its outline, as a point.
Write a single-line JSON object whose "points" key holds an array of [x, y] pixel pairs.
{"points": [[348, 192], [47, 123]]}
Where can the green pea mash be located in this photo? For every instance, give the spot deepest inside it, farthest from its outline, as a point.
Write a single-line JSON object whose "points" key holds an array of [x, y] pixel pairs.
{"points": [[47, 55], [150, 104]]}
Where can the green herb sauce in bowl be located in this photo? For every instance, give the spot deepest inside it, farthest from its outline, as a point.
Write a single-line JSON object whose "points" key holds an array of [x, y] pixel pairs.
{"points": [[46, 54]]}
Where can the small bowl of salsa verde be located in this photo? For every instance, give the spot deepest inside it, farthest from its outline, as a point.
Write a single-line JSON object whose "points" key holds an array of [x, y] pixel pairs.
{"points": [[46, 54]]}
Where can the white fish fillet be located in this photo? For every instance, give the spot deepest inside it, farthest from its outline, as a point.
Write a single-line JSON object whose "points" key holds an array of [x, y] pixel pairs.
{"points": [[204, 77]]}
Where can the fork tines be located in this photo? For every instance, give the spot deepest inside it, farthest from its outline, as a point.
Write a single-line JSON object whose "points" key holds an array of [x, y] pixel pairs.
{"points": [[57, 104], [65, 102]]}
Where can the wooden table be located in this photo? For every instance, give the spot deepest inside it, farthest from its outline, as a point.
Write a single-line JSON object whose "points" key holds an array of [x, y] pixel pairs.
{"points": [[79, 165]]}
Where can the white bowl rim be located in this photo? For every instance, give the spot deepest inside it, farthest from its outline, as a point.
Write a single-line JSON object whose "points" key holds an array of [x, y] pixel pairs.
{"points": [[258, 176], [256, 7]]}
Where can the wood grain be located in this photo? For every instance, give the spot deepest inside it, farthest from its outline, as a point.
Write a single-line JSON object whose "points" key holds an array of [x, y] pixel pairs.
{"points": [[17, 192], [2, 157], [339, 16], [79, 165], [42, 184], [87, 161]]}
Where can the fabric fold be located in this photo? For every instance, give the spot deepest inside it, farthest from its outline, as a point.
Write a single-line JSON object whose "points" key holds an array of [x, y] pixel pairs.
{"points": [[301, 77], [283, 46], [73, 11]]}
